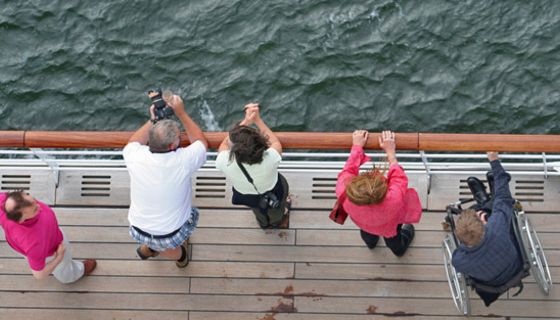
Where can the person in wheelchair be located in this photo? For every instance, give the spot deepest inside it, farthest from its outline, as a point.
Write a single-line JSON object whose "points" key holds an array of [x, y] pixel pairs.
{"points": [[488, 251]]}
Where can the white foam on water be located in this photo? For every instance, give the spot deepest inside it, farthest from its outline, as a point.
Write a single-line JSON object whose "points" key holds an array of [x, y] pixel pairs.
{"points": [[208, 118], [374, 14]]}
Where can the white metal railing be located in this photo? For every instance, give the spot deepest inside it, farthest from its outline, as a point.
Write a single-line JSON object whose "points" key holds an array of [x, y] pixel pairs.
{"points": [[420, 162], [428, 163]]}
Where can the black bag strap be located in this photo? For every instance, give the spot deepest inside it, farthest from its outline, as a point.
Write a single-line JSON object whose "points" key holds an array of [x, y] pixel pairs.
{"points": [[246, 174]]}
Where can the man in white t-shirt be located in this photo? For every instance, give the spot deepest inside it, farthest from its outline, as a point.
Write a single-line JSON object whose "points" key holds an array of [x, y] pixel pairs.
{"points": [[161, 215]]}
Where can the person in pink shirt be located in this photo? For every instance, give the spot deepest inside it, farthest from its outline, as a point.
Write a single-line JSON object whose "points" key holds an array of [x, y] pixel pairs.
{"points": [[380, 206], [31, 229]]}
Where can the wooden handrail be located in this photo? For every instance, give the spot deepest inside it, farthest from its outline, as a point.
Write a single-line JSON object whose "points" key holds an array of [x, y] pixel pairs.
{"points": [[299, 140]]}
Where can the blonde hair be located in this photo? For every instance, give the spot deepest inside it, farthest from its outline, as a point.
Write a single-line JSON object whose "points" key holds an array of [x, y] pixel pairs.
{"points": [[367, 188], [469, 229]]}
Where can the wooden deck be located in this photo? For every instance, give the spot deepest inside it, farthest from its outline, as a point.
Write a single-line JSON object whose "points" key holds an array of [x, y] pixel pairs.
{"points": [[314, 270]]}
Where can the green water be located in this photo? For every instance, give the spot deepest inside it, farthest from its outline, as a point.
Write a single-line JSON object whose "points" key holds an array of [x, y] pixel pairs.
{"points": [[430, 66]]}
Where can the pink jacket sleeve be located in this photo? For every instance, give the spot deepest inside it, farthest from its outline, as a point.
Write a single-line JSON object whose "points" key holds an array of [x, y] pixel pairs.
{"points": [[399, 192], [351, 168], [398, 182]]}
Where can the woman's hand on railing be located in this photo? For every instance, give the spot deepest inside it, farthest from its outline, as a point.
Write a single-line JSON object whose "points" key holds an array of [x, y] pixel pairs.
{"points": [[387, 143], [359, 137]]}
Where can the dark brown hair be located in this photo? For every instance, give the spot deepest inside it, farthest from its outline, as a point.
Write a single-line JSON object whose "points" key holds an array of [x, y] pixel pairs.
{"points": [[21, 203], [248, 144]]}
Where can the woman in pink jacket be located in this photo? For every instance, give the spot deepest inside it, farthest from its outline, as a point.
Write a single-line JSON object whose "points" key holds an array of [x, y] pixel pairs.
{"points": [[380, 206]]}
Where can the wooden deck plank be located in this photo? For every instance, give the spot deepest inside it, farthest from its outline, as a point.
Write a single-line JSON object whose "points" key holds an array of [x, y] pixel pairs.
{"points": [[381, 306], [400, 272], [404, 272], [155, 268], [326, 254], [131, 301], [81, 250], [129, 284], [321, 288], [317, 237], [58, 314], [532, 292], [243, 236], [519, 308], [422, 238], [404, 306], [93, 234], [313, 316], [312, 254], [201, 235], [90, 216]]}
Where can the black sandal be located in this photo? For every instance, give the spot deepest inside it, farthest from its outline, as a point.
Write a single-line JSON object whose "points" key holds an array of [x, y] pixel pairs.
{"points": [[185, 253]]}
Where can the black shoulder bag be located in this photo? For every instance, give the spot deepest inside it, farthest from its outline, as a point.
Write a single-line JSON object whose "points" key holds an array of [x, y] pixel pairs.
{"points": [[267, 199]]}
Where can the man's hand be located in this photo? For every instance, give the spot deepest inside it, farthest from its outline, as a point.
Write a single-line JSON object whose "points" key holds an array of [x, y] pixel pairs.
{"points": [[152, 112], [492, 155], [177, 104], [359, 137], [50, 266], [482, 216], [60, 251]]}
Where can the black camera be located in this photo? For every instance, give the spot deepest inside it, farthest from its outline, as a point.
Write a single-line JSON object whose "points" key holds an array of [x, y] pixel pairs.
{"points": [[269, 200], [161, 109]]}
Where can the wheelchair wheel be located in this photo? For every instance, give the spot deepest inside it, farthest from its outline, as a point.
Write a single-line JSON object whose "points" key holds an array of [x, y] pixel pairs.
{"points": [[457, 282], [535, 253]]}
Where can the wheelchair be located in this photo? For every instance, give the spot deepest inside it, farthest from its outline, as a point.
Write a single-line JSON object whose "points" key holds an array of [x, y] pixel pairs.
{"points": [[529, 247]]}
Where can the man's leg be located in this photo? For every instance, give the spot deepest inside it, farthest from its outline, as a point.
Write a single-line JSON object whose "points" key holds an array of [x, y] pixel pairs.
{"points": [[68, 270], [177, 247]]}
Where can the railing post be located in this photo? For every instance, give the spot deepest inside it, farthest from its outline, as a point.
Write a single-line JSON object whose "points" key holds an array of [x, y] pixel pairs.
{"points": [[545, 166], [428, 171], [39, 153]]}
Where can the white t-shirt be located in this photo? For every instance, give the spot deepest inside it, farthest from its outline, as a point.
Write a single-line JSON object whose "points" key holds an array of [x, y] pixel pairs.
{"points": [[264, 174], [160, 185]]}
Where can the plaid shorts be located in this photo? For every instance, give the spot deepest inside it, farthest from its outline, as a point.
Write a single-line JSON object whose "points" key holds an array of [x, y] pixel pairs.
{"points": [[172, 242]]}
